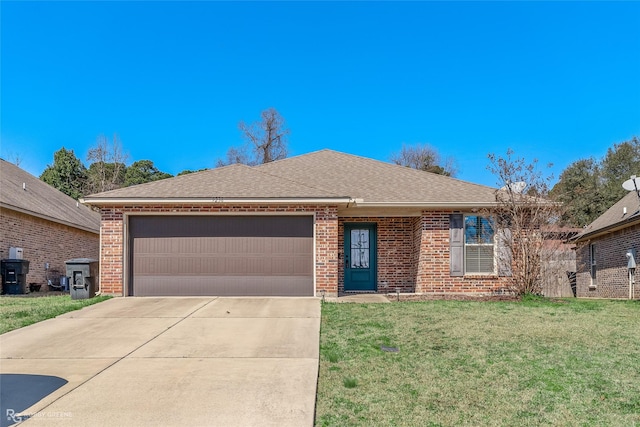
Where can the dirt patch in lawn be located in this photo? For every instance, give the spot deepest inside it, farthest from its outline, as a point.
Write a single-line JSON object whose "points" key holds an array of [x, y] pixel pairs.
{"points": [[450, 297], [458, 297]]}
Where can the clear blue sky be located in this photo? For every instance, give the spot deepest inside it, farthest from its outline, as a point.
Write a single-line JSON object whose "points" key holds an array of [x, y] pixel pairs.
{"points": [[557, 81]]}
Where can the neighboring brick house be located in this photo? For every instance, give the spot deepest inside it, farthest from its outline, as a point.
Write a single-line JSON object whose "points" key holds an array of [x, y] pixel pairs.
{"points": [[320, 223], [601, 248], [50, 226]]}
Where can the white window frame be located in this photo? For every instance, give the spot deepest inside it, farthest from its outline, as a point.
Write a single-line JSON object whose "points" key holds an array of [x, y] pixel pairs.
{"points": [[492, 244]]}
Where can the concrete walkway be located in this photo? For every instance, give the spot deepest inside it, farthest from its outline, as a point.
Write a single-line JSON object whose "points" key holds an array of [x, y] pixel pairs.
{"points": [[359, 298], [168, 361]]}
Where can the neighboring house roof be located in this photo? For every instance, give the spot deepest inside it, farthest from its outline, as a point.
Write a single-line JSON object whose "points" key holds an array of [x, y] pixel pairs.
{"points": [[614, 218], [20, 191], [322, 176]]}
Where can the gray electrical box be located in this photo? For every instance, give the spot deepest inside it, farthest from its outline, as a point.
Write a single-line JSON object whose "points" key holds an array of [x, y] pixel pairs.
{"points": [[631, 259], [82, 275]]}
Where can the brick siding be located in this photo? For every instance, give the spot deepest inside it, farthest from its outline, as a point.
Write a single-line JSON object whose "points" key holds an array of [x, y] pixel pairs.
{"points": [[612, 280], [43, 242], [395, 255], [413, 252], [431, 240]]}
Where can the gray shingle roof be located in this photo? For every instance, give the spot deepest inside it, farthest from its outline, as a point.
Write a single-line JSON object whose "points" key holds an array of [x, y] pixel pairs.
{"points": [[614, 217], [321, 174], [234, 181], [375, 181], [42, 200]]}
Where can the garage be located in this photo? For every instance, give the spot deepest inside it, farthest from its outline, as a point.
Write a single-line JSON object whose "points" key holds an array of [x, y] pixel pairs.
{"points": [[220, 256]]}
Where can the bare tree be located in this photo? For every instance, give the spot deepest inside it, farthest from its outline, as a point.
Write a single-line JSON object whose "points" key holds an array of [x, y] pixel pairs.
{"points": [[107, 168], [523, 218], [424, 157], [236, 155], [265, 141], [14, 158]]}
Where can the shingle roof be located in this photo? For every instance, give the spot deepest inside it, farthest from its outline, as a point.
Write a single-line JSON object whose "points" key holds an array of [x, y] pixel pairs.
{"points": [[321, 174], [375, 181], [614, 217], [234, 181], [42, 200]]}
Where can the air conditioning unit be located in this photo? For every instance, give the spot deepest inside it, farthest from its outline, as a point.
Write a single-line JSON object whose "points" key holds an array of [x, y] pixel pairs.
{"points": [[16, 253]]}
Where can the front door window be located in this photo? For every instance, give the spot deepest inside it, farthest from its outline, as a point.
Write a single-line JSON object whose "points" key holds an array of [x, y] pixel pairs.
{"points": [[360, 248]]}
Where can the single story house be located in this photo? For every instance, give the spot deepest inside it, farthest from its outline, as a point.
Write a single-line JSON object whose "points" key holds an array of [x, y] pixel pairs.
{"points": [[48, 225], [601, 251], [322, 223]]}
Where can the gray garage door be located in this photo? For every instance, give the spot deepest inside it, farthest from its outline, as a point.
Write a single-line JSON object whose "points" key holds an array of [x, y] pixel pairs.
{"points": [[221, 255]]}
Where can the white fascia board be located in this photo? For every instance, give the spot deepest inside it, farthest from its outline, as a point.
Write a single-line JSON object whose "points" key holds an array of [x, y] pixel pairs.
{"points": [[427, 205], [214, 200]]}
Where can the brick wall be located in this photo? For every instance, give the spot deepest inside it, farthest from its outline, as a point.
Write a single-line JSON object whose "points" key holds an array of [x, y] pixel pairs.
{"points": [[612, 279], [395, 252], [44, 241], [413, 253], [326, 227], [413, 256], [431, 240]]}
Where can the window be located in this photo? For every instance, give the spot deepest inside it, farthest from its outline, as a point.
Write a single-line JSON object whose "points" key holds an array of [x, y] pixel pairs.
{"points": [[479, 239], [592, 262]]}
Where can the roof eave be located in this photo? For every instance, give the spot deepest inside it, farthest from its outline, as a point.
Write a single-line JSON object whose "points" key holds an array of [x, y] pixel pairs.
{"points": [[427, 205], [606, 230], [50, 218], [112, 201]]}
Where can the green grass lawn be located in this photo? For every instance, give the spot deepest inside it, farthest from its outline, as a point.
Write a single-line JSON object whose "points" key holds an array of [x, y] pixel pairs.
{"points": [[16, 312], [566, 363]]}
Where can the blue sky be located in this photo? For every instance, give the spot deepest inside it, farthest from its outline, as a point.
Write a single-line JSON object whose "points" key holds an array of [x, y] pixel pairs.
{"points": [[556, 81]]}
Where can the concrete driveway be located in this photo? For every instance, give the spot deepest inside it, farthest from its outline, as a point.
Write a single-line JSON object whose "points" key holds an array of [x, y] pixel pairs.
{"points": [[166, 361]]}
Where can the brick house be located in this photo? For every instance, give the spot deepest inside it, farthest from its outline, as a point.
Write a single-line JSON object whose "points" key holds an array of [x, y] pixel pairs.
{"points": [[601, 248], [319, 223], [50, 226]]}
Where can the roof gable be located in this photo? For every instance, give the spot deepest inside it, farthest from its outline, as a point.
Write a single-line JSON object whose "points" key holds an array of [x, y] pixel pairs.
{"points": [[23, 192]]}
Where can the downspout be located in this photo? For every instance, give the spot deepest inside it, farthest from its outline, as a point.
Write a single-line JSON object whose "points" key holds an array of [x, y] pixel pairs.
{"points": [[631, 269], [99, 290]]}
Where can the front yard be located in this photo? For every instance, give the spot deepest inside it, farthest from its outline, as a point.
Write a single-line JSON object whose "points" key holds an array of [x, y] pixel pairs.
{"points": [[17, 312], [569, 362]]}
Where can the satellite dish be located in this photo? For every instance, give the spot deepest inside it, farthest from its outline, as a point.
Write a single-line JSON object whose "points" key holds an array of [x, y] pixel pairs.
{"points": [[517, 187], [632, 184]]}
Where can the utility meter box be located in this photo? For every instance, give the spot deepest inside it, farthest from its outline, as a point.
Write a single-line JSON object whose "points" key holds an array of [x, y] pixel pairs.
{"points": [[16, 253], [83, 277], [632, 259]]}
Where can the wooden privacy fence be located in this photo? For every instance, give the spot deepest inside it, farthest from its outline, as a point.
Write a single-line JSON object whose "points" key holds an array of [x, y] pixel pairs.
{"points": [[558, 272]]}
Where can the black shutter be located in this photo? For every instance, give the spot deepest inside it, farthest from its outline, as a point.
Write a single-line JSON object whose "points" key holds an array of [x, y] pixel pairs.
{"points": [[456, 244]]}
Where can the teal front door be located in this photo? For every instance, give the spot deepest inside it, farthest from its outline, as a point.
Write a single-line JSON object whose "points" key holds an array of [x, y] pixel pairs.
{"points": [[360, 257]]}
